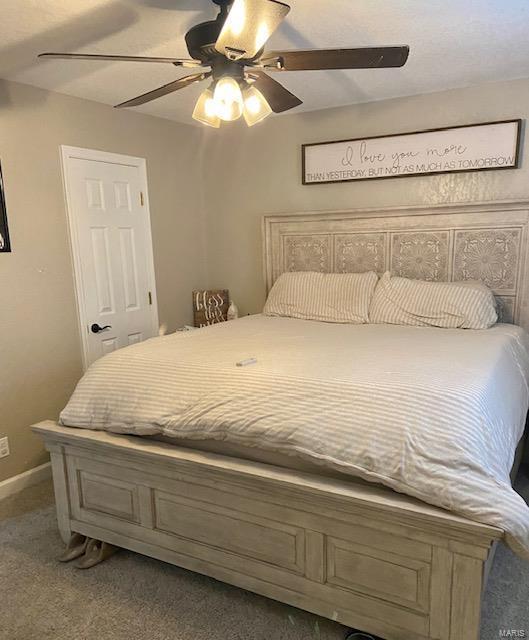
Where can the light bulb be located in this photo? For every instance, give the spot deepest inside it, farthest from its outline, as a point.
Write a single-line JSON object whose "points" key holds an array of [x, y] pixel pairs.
{"points": [[205, 111], [228, 99], [256, 108]]}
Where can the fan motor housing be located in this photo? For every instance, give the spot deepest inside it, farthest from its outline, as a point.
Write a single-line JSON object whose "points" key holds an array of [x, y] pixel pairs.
{"points": [[201, 38]]}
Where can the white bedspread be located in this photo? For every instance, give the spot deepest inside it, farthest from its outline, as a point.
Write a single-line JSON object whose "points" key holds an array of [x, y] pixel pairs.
{"points": [[433, 413]]}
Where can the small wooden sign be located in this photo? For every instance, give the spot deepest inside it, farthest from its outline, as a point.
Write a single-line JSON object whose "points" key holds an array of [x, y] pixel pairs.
{"points": [[478, 147], [210, 306]]}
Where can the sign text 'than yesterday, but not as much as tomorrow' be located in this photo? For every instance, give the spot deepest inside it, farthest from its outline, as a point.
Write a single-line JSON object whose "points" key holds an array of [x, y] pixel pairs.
{"points": [[469, 148]]}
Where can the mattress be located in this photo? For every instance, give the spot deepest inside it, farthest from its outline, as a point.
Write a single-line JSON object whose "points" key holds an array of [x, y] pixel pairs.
{"points": [[222, 448], [255, 454], [433, 413]]}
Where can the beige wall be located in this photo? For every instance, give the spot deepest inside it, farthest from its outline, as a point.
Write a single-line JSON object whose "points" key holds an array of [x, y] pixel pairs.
{"points": [[258, 171], [40, 358]]}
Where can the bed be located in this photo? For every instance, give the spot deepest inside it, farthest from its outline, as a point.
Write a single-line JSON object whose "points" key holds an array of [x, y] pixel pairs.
{"points": [[300, 519]]}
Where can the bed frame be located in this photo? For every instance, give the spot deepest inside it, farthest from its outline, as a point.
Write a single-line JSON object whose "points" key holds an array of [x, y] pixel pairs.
{"points": [[363, 555]]}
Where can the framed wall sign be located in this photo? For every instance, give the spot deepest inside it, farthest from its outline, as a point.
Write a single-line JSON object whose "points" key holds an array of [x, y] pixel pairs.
{"points": [[478, 147], [5, 246], [210, 307]]}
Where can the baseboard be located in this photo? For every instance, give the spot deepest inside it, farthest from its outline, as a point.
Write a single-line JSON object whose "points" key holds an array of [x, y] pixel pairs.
{"points": [[15, 484]]}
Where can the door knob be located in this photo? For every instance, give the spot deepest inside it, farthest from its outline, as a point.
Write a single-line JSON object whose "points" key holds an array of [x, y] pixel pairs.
{"points": [[95, 328]]}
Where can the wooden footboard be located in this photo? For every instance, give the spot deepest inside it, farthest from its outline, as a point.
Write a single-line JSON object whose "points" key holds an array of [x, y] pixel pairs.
{"points": [[367, 557]]}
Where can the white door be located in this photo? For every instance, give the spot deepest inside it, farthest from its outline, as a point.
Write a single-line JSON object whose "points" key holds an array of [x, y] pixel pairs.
{"points": [[112, 249]]}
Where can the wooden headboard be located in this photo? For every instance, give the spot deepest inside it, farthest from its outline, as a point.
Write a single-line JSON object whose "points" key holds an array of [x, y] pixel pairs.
{"points": [[487, 242]]}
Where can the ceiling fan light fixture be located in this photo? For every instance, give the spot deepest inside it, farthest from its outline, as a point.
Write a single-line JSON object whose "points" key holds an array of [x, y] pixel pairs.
{"points": [[205, 109], [256, 108], [228, 99], [236, 41]]}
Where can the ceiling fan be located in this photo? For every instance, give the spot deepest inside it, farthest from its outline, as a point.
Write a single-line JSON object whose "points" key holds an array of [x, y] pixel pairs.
{"points": [[232, 47]]}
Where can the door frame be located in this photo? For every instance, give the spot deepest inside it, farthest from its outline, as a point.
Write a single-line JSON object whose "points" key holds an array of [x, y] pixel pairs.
{"points": [[78, 153]]}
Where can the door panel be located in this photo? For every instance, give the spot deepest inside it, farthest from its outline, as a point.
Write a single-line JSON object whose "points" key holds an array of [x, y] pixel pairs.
{"points": [[108, 345], [122, 196], [129, 268], [114, 254], [102, 270], [94, 194]]}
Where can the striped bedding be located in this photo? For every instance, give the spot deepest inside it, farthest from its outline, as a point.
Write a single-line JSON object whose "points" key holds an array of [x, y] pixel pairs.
{"points": [[436, 414]]}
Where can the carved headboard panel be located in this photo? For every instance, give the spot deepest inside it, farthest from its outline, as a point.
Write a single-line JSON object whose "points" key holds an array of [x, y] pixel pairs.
{"points": [[486, 242]]}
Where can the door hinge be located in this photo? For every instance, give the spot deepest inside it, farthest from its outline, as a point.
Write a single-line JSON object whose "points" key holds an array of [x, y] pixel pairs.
{"points": [[150, 297], [142, 200]]}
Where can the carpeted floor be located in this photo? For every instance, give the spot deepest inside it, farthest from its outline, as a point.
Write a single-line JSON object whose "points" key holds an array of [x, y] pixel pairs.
{"points": [[131, 597]]}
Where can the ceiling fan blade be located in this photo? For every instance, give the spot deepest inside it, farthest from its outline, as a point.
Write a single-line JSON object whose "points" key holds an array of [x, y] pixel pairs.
{"points": [[279, 98], [248, 26], [182, 83], [179, 62], [316, 59]]}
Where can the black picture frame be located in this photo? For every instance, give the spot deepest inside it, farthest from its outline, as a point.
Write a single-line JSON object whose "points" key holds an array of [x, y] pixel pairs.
{"points": [[517, 164], [5, 244]]}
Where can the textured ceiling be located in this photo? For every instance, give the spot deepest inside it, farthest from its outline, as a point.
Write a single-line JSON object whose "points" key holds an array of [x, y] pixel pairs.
{"points": [[454, 43]]}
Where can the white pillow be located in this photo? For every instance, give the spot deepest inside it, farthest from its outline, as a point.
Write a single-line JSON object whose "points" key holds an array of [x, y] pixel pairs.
{"points": [[328, 297], [452, 305]]}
